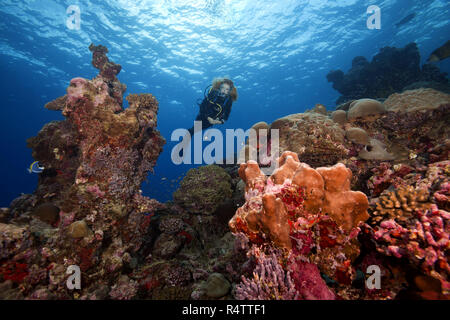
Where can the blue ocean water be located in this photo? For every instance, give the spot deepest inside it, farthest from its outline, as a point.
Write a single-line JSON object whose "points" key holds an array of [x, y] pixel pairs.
{"points": [[277, 53]]}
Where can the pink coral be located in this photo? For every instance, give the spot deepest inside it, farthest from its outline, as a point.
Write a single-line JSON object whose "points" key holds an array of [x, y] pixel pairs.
{"points": [[424, 242], [308, 282]]}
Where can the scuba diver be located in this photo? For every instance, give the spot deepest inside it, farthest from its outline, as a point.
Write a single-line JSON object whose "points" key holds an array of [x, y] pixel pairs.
{"points": [[216, 105], [214, 109]]}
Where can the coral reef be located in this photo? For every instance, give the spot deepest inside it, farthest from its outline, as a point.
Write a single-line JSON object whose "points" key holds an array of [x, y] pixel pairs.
{"points": [[390, 71], [416, 231], [310, 213], [402, 160], [411, 221], [87, 209], [361, 187]]}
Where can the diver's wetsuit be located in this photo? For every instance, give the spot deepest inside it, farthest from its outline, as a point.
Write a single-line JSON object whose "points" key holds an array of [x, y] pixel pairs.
{"points": [[215, 106]]}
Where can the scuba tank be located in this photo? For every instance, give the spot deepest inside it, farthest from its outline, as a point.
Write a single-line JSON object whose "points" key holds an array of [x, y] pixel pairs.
{"points": [[213, 97]]}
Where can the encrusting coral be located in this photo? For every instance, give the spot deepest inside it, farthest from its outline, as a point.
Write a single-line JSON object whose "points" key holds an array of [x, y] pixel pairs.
{"points": [[400, 204]]}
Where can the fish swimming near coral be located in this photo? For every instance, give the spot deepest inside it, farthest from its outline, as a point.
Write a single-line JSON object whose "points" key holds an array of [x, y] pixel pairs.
{"points": [[441, 53], [35, 168], [405, 20]]}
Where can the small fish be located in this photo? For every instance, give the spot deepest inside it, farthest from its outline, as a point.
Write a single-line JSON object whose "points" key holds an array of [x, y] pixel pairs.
{"points": [[163, 178], [405, 20], [35, 168], [440, 53]]}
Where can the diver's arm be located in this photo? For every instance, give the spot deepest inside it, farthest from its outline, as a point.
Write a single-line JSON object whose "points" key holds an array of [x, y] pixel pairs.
{"points": [[227, 111]]}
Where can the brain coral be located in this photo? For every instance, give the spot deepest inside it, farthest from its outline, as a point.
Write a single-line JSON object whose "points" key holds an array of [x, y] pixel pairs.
{"points": [[357, 135], [339, 116], [365, 107], [204, 189], [315, 138]]}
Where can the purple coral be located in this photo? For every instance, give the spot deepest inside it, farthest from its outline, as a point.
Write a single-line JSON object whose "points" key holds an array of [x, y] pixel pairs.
{"points": [[269, 282]]}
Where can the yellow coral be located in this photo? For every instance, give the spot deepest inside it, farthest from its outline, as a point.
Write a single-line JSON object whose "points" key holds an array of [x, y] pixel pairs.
{"points": [[400, 204]]}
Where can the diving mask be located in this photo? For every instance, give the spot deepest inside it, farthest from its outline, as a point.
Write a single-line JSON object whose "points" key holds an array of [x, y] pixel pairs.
{"points": [[224, 90]]}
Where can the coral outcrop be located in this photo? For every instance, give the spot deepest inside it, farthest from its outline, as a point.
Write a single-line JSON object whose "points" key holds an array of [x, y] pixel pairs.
{"points": [[410, 222], [310, 213], [364, 108], [87, 209], [315, 138], [390, 71], [204, 189]]}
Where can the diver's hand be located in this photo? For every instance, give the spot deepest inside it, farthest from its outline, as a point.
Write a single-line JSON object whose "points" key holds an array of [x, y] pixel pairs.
{"points": [[214, 121]]}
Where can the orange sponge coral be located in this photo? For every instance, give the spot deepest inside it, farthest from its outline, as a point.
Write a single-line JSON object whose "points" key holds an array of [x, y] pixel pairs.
{"points": [[269, 212]]}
